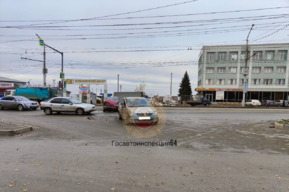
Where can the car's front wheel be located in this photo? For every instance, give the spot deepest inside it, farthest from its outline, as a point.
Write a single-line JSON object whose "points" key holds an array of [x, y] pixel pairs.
{"points": [[47, 111], [79, 111], [20, 108], [1, 107]]}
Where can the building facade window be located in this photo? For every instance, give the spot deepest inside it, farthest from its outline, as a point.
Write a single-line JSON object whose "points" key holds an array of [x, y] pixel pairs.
{"points": [[280, 81], [233, 56], [244, 70], [268, 81], [256, 81], [220, 81], [211, 57], [281, 69], [232, 69], [243, 56], [222, 56], [209, 70], [282, 55], [209, 82], [257, 55], [268, 69], [221, 69], [242, 81], [256, 69], [269, 55], [232, 81]]}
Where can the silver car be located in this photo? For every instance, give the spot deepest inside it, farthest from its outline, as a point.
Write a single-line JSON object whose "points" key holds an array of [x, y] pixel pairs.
{"points": [[17, 102], [137, 110], [66, 104]]}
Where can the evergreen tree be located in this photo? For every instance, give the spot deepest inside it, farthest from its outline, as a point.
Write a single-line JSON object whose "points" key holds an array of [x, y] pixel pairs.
{"points": [[185, 90]]}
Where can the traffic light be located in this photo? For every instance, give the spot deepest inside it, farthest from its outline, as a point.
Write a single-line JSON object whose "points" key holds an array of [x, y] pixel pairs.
{"points": [[59, 84]]}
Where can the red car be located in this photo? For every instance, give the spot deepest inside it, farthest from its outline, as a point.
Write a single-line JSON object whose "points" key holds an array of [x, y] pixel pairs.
{"points": [[111, 104]]}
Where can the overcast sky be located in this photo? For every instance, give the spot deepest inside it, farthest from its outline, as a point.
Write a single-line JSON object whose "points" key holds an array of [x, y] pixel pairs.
{"points": [[142, 41]]}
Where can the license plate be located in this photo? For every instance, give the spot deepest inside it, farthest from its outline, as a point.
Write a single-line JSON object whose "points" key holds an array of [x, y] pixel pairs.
{"points": [[144, 118]]}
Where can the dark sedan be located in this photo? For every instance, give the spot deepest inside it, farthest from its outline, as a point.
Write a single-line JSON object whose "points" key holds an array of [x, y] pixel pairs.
{"points": [[17, 102], [111, 104]]}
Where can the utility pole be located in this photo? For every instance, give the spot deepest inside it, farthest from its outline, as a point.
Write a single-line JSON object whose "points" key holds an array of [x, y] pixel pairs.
{"points": [[246, 71], [171, 87], [41, 43], [117, 82], [44, 71]]}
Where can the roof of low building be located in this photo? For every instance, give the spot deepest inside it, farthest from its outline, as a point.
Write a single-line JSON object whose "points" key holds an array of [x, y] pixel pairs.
{"points": [[5, 79]]}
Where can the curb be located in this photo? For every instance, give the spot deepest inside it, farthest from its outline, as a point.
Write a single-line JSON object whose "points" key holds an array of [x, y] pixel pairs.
{"points": [[281, 125], [16, 131]]}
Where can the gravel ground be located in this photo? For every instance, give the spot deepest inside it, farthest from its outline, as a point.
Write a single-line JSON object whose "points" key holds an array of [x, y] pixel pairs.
{"points": [[217, 150]]}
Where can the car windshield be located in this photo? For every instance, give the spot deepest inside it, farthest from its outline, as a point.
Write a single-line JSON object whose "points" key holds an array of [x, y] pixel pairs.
{"points": [[75, 101], [136, 102], [21, 99], [112, 99]]}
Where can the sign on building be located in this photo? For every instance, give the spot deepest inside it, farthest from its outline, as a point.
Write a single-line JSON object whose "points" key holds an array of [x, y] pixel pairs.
{"points": [[83, 90], [220, 95], [85, 81], [6, 85]]}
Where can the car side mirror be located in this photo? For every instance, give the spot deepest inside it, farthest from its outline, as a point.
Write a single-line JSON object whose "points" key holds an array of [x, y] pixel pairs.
{"points": [[70, 103]]}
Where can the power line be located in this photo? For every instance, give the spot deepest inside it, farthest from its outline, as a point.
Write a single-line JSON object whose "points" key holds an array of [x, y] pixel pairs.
{"points": [[125, 13], [273, 33], [146, 17], [195, 14], [230, 19], [261, 26], [128, 50], [144, 35]]}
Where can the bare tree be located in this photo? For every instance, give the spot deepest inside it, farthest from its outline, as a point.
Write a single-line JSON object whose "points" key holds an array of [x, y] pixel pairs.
{"points": [[141, 87]]}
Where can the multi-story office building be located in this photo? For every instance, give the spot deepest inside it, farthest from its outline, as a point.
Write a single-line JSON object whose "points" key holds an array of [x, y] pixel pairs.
{"points": [[221, 72]]}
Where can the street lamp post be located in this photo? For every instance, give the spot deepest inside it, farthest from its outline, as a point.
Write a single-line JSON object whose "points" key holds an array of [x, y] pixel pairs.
{"points": [[171, 87], [45, 70], [246, 71], [117, 82]]}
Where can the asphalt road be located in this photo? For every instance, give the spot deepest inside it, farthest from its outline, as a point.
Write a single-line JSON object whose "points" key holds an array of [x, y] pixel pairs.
{"points": [[217, 150]]}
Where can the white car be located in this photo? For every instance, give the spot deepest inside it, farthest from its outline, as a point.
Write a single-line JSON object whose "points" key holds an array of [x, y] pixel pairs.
{"points": [[254, 102], [65, 104]]}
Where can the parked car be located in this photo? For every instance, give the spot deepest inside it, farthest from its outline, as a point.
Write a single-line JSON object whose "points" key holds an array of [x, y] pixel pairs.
{"points": [[198, 100], [137, 110], [284, 103], [253, 102], [172, 102], [273, 103], [111, 104], [17, 102], [66, 104]]}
